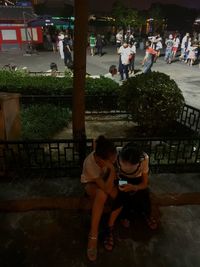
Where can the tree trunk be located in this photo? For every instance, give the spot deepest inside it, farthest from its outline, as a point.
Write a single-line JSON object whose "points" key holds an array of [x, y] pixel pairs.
{"points": [[80, 48]]}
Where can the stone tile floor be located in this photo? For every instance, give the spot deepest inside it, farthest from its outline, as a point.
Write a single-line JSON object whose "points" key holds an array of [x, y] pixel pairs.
{"points": [[58, 238]]}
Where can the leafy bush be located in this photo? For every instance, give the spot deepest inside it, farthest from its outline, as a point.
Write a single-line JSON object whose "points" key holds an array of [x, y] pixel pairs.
{"points": [[154, 100], [18, 82], [101, 86], [43, 121]]}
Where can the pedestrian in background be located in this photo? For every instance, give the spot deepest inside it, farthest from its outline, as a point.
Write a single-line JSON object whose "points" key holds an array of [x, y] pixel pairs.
{"points": [[119, 39], [99, 45], [67, 49], [148, 60], [168, 51], [60, 44], [92, 43], [125, 53]]}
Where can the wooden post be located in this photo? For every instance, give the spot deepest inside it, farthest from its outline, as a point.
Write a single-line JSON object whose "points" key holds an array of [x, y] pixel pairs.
{"points": [[80, 47]]}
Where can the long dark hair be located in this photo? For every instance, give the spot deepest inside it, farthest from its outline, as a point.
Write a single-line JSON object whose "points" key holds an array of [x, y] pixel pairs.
{"points": [[104, 147], [131, 153]]}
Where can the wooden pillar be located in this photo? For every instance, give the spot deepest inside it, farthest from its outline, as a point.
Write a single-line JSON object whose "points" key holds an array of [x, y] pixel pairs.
{"points": [[80, 47]]}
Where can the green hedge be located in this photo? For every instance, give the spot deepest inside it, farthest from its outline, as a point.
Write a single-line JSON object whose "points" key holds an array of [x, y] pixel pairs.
{"points": [[43, 121], [17, 82], [154, 100]]}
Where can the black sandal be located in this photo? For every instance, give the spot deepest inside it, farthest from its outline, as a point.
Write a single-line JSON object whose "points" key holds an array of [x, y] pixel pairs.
{"points": [[109, 239]]}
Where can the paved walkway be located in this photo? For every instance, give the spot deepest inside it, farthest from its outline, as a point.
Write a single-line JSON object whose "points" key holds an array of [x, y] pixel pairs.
{"points": [[58, 238], [188, 78]]}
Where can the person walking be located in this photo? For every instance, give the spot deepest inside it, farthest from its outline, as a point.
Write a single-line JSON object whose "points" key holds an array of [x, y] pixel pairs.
{"points": [[67, 49], [148, 60], [92, 43], [60, 44]]}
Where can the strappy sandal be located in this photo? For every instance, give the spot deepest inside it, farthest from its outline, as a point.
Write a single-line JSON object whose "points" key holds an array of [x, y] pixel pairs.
{"points": [[92, 252], [152, 223], [109, 239]]}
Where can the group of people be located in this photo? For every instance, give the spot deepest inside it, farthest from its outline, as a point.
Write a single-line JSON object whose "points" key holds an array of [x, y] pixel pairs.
{"points": [[96, 44], [190, 47], [61, 42], [119, 176], [126, 48]]}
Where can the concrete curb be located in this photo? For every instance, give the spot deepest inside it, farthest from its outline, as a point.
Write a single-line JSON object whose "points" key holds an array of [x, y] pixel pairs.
{"points": [[83, 203]]}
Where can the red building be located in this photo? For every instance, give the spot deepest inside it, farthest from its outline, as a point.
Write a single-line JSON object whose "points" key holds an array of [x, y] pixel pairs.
{"points": [[13, 31]]}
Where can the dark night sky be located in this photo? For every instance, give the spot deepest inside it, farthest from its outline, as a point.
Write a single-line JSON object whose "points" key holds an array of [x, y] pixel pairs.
{"points": [[105, 5]]}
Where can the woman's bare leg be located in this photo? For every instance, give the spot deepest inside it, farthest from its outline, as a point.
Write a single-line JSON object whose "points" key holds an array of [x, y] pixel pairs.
{"points": [[97, 210]]}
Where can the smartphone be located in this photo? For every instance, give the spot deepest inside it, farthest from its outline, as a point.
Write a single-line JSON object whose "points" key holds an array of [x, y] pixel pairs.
{"points": [[122, 182]]}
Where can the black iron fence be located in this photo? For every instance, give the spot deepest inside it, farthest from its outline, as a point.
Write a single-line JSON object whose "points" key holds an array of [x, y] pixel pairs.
{"points": [[190, 117], [42, 157], [53, 158], [95, 104]]}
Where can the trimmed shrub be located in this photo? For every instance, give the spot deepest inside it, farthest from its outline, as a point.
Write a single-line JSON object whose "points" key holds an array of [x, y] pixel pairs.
{"points": [[43, 121], [101, 86], [17, 82], [154, 100]]}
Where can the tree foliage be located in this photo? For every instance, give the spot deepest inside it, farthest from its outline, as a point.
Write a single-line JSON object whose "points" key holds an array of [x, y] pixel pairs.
{"points": [[125, 17]]}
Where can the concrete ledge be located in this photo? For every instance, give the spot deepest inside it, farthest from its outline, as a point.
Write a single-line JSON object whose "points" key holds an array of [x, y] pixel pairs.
{"points": [[83, 203]]}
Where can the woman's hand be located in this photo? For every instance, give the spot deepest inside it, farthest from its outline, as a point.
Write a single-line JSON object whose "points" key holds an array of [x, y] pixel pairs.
{"points": [[105, 163], [128, 188], [108, 164]]}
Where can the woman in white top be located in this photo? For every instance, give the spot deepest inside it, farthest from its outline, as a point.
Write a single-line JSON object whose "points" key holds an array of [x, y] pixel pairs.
{"points": [[133, 168], [175, 46], [60, 44], [98, 177]]}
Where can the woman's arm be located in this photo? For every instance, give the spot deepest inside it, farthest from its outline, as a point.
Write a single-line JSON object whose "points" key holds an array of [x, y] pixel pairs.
{"points": [[144, 59], [135, 188], [143, 184], [107, 185]]}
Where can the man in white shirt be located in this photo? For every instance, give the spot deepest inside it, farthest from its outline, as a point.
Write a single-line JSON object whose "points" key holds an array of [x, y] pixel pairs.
{"points": [[125, 53], [184, 46], [119, 39]]}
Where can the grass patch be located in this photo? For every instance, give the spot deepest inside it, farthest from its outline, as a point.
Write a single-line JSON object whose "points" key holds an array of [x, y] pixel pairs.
{"points": [[43, 121]]}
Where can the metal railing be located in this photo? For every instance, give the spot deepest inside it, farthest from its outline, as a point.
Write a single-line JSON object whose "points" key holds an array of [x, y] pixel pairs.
{"points": [[47, 158], [190, 117], [42, 157], [95, 104]]}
